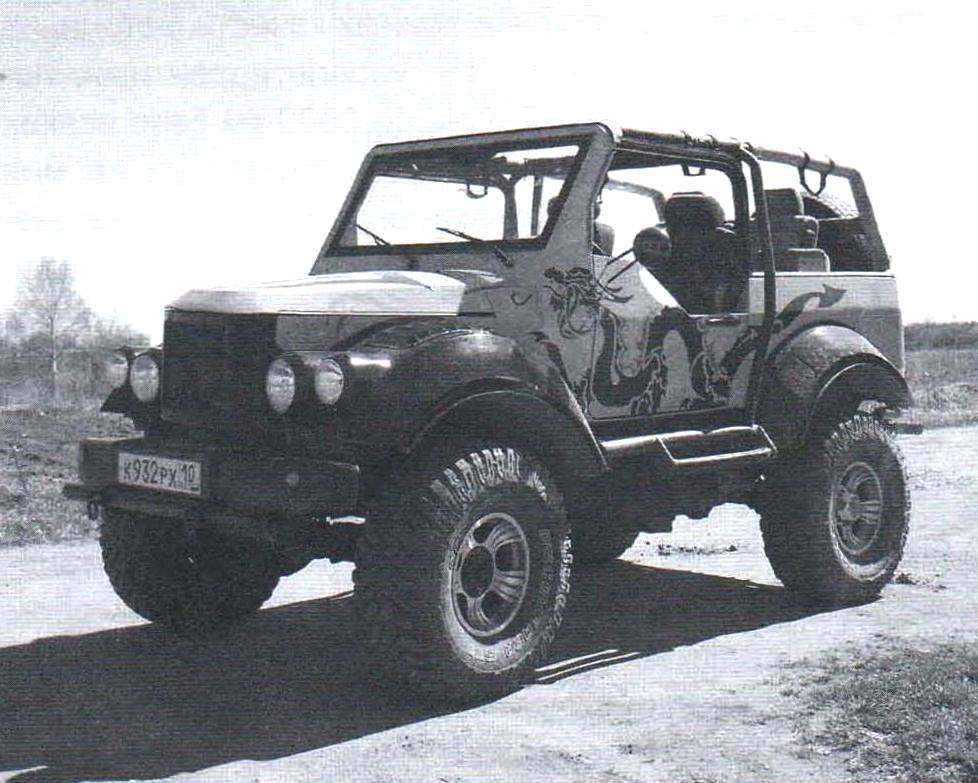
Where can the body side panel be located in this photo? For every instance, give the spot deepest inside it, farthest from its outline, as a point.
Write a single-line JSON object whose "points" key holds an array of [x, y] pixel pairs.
{"points": [[866, 302]]}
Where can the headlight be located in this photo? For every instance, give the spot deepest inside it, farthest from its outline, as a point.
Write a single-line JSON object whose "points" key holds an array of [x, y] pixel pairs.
{"points": [[280, 385], [116, 369], [144, 377], [328, 381]]}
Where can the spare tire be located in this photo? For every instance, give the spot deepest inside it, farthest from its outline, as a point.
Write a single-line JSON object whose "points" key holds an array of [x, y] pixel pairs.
{"points": [[825, 207]]}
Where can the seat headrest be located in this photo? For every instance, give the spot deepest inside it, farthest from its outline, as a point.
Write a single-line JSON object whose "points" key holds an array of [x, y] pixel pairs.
{"points": [[651, 243], [784, 202], [693, 211]]}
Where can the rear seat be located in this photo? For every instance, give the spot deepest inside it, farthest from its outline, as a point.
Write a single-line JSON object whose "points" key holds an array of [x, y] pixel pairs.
{"points": [[803, 259], [794, 234]]}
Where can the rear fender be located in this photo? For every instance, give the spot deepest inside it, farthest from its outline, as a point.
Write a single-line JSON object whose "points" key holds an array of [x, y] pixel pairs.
{"points": [[819, 373]]}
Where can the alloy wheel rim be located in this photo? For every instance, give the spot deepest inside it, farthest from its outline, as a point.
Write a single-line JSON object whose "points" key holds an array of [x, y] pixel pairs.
{"points": [[857, 508], [490, 575]]}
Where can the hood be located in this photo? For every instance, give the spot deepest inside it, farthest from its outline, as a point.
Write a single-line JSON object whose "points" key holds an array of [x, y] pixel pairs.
{"points": [[351, 293]]}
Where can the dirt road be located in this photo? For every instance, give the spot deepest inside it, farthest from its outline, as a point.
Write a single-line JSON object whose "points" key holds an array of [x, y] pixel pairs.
{"points": [[665, 669]]}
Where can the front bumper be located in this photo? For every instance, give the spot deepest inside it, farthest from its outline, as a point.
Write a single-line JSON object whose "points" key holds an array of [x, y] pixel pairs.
{"points": [[231, 482]]}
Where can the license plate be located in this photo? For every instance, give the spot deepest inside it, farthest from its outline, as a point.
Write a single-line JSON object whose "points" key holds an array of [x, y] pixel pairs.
{"points": [[161, 473]]}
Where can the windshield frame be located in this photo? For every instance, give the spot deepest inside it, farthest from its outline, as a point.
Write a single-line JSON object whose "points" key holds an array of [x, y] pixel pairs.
{"points": [[502, 142]]}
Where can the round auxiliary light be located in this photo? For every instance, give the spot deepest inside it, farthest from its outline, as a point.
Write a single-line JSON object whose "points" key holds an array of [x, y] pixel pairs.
{"points": [[144, 377], [280, 385], [116, 369], [328, 381]]}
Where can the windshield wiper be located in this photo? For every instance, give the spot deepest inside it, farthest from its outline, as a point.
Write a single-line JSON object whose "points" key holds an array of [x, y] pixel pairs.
{"points": [[379, 240], [496, 250]]}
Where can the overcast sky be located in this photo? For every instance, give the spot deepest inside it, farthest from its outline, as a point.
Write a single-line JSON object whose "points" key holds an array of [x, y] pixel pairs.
{"points": [[161, 146]]}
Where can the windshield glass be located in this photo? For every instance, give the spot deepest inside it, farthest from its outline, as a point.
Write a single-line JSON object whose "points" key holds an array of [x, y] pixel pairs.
{"points": [[480, 193]]}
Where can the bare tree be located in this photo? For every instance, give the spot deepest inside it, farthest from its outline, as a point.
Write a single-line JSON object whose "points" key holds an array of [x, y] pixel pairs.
{"points": [[48, 312], [107, 333]]}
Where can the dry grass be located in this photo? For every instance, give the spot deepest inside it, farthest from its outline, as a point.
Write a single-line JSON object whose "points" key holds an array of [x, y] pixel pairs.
{"points": [[944, 385], [37, 455], [898, 713]]}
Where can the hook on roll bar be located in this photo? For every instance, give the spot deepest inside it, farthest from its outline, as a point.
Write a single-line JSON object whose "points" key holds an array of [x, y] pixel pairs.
{"points": [[822, 175]]}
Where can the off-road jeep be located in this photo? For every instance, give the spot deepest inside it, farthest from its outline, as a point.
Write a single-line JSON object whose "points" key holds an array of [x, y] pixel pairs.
{"points": [[515, 351]]}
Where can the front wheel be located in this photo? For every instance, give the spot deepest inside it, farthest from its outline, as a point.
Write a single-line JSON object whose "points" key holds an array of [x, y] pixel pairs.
{"points": [[184, 580], [463, 571], [835, 517]]}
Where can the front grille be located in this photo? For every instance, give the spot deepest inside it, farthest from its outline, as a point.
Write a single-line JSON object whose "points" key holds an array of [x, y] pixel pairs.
{"points": [[214, 368]]}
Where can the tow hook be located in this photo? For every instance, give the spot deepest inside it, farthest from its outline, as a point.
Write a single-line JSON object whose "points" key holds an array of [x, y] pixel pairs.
{"points": [[93, 509]]}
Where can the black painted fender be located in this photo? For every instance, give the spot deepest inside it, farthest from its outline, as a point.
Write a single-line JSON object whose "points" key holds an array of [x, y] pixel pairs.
{"points": [[418, 380], [560, 436], [818, 370]]}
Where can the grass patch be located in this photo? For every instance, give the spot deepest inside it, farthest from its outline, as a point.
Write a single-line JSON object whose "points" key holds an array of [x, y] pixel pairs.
{"points": [[944, 383], [906, 714], [38, 451], [941, 335]]}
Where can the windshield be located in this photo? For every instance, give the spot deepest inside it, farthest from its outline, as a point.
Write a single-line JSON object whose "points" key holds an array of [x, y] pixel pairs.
{"points": [[461, 195]]}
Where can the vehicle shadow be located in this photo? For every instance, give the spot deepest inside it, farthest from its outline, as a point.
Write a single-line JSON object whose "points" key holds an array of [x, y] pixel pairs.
{"points": [[136, 703]]}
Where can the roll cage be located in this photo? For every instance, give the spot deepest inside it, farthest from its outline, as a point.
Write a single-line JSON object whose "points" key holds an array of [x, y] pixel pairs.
{"points": [[599, 139], [812, 173]]}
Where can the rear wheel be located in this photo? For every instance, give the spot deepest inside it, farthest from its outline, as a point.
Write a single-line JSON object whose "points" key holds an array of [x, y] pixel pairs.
{"points": [[463, 571], [835, 517], [183, 579], [597, 543]]}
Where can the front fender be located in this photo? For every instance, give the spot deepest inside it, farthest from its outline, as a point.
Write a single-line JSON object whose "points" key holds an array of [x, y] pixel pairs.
{"points": [[818, 371], [560, 435], [431, 377]]}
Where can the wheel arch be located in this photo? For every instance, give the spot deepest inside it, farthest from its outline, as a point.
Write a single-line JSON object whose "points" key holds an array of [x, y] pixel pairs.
{"points": [[863, 378], [467, 376], [821, 374], [559, 433]]}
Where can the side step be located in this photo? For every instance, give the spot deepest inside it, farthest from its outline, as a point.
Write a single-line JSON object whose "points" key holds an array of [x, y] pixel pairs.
{"points": [[691, 449]]}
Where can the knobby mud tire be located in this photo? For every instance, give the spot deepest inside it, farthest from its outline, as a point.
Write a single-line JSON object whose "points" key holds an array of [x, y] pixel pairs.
{"points": [[405, 602], [801, 510], [184, 583], [595, 544]]}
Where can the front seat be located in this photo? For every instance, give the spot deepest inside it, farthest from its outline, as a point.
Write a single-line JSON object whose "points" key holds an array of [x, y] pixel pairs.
{"points": [[653, 250], [701, 251]]}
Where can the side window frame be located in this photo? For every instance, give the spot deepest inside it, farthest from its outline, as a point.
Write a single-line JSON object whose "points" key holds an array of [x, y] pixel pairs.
{"points": [[744, 241]]}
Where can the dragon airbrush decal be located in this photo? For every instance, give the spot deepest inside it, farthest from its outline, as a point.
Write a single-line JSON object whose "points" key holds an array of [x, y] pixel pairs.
{"points": [[638, 359], [576, 296]]}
